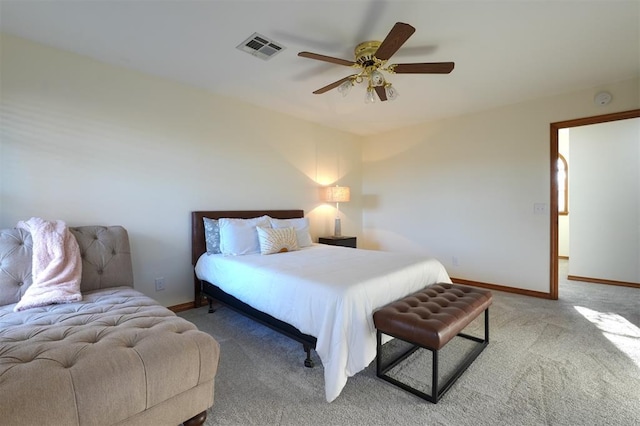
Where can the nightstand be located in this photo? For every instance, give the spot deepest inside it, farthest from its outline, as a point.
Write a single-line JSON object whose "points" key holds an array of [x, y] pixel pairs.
{"points": [[338, 241]]}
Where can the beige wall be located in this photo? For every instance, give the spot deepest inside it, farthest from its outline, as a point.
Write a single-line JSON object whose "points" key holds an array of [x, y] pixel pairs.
{"points": [[465, 187], [95, 144], [89, 143]]}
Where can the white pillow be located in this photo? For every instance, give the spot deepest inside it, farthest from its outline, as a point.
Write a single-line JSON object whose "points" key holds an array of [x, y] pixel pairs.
{"points": [[301, 226], [277, 240], [239, 236]]}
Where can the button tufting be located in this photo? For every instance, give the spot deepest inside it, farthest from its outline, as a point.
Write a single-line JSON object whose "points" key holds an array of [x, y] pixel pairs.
{"points": [[99, 271]]}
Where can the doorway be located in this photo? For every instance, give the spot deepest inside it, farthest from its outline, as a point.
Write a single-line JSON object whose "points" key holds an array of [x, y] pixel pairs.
{"points": [[555, 127]]}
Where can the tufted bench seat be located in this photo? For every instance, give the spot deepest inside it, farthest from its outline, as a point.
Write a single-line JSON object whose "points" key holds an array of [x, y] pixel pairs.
{"points": [[116, 357], [429, 319]]}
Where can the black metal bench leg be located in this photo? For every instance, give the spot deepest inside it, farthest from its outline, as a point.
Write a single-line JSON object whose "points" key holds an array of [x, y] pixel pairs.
{"points": [[486, 325], [434, 379], [378, 353]]}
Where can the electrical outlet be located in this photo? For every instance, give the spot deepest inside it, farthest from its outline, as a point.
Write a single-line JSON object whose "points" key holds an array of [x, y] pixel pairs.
{"points": [[159, 284]]}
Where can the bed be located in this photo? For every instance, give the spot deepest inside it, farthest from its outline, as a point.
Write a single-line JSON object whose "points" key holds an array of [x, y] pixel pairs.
{"points": [[322, 296]]}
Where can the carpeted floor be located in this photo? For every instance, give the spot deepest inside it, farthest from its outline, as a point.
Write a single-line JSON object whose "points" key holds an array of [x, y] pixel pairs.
{"points": [[575, 361]]}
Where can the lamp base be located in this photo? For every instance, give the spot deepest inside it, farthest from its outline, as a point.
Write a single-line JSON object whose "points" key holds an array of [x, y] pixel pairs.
{"points": [[337, 232]]}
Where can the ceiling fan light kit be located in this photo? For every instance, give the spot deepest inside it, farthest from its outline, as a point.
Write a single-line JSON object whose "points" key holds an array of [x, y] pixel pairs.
{"points": [[371, 58]]}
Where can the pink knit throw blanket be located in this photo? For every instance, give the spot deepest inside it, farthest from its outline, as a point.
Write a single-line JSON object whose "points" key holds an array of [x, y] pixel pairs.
{"points": [[56, 265]]}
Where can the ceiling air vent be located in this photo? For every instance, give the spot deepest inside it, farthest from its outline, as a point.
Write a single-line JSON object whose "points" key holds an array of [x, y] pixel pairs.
{"points": [[261, 46]]}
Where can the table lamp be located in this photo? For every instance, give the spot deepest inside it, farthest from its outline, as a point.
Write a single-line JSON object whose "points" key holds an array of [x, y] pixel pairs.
{"points": [[337, 194]]}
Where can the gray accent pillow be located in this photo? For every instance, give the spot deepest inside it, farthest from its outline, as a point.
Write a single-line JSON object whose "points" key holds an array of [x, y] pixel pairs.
{"points": [[212, 235]]}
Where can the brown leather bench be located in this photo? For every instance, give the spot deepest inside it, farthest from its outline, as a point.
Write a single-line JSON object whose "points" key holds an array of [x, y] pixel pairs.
{"points": [[429, 319]]}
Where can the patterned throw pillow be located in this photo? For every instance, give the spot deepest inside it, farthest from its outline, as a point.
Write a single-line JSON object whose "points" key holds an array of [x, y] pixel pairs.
{"points": [[212, 235], [277, 240], [301, 226]]}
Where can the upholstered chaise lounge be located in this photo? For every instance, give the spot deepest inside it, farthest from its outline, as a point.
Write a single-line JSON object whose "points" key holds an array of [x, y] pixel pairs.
{"points": [[116, 357]]}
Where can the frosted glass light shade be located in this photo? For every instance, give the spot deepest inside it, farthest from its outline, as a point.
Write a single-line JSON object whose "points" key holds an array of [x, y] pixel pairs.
{"points": [[337, 194], [391, 92], [377, 79], [370, 96], [345, 87]]}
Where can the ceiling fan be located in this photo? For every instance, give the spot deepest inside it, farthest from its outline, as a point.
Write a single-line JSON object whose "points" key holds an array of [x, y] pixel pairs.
{"points": [[371, 57]]}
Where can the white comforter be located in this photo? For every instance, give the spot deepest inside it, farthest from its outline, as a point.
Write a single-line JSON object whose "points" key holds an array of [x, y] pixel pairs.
{"points": [[326, 291]]}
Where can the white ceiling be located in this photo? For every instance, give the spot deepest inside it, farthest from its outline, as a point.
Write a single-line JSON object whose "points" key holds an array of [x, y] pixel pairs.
{"points": [[505, 51]]}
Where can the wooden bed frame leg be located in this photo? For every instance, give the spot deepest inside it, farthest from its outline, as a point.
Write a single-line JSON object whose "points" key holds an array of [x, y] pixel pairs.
{"points": [[308, 362], [197, 420]]}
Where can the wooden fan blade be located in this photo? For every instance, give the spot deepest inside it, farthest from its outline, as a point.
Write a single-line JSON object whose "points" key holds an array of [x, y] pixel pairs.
{"points": [[326, 58], [332, 85], [381, 93], [424, 68], [398, 35]]}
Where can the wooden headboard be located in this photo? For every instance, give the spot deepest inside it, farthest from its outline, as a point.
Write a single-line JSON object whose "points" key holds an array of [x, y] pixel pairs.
{"points": [[198, 246]]}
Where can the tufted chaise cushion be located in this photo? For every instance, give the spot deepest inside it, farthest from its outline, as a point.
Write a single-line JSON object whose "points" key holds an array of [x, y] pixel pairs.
{"points": [[434, 315], [103, 360], [106, 258], [15, 264]]}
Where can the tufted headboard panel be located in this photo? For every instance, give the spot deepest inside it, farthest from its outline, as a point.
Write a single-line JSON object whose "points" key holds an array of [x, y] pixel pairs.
{"points": [[106, 257], [106, 260]]}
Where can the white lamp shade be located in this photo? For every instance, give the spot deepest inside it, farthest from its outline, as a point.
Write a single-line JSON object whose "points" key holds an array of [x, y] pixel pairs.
{"points": [[337, 194]]}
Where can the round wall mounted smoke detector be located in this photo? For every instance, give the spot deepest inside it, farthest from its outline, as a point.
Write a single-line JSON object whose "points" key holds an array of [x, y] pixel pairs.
{"points": [[602, 98]]}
